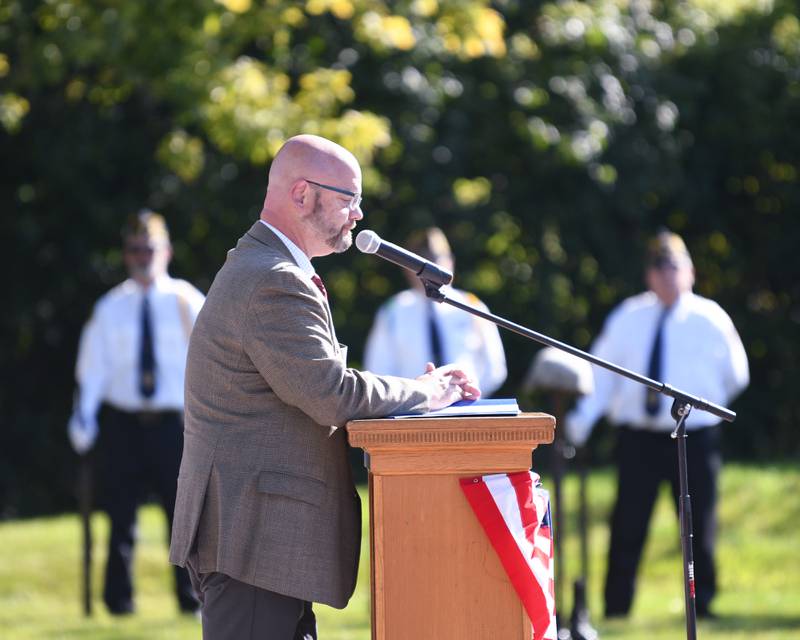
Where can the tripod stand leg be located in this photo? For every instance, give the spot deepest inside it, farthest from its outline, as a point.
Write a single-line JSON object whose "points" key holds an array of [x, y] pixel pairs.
{"points": [[558, 475], [85, 506], [580, 624], [680, 412]]}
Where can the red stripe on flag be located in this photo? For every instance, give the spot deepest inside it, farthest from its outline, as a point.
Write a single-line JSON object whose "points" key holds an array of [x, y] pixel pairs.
{"points": [[523, 487], [515, 564], [542, 557]]}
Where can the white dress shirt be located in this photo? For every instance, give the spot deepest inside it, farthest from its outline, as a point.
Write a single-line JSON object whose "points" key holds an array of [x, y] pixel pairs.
{"points": [[399, 343], [107, 369], [702, 355], [302, 260]]}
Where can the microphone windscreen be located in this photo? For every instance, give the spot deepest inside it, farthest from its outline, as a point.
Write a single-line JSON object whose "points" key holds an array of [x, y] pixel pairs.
{"points": [[368, 241]]}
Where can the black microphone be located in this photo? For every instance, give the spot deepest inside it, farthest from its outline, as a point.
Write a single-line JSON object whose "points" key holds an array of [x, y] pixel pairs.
{"points": [[370, 242]]}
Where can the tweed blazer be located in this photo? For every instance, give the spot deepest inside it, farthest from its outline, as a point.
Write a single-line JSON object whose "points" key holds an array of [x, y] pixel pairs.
{"points": [[265, 493]]}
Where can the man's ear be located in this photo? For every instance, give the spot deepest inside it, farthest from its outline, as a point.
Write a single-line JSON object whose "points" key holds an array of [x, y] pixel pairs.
{"points": [[300, 193]]}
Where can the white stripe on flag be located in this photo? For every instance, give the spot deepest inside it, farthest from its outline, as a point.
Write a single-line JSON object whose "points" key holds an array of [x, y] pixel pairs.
{"points": [[505, 497]]}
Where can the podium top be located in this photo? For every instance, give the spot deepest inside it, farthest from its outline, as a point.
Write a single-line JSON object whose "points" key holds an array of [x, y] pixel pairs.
{"points": [[457, 443]]}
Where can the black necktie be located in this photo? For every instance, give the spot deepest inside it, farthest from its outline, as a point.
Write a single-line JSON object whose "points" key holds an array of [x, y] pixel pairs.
{"points": [[652, 400], [147, 359], [437, 356]]}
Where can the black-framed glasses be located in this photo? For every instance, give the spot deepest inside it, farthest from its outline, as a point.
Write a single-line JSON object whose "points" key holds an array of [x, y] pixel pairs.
{"points": [[139, 249], [661, 263], [355, 198]]}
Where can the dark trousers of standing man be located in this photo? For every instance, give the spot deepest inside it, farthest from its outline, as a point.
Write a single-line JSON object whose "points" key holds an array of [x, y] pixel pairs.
{"points": [[234, 610], [140, 453], [644, 460]]}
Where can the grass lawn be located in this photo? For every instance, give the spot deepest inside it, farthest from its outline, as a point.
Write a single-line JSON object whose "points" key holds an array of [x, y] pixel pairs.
{"points": [[758, 556]]}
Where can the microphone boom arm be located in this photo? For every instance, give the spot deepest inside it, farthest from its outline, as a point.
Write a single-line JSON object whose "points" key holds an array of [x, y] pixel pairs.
{"points": [[682, 398]]}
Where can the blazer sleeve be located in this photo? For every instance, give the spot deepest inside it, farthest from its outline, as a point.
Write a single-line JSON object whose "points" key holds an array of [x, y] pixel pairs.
{"points": [[289, 340]]}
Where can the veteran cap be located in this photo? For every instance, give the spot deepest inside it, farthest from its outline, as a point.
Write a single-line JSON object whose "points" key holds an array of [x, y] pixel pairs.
{"points": [[146, 222], [667, 247]]}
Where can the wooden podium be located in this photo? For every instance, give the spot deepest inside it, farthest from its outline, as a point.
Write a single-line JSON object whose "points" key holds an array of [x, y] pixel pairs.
{"points": [[434, 575]]}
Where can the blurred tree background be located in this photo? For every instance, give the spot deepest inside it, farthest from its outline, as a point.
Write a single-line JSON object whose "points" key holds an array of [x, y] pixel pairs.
{"points": [[548, 139]]}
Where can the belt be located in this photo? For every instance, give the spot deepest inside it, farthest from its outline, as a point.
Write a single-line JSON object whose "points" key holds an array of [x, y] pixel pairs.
{"points": [[646, 428], [144, 417]]}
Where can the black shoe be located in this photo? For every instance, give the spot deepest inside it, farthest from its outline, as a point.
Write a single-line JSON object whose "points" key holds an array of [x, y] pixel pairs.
{"points": [[121, 610], [615, 614], [189, 606], [194, 613], [704, 613]]}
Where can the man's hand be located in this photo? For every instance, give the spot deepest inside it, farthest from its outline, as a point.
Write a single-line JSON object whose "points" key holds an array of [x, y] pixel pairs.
{"points": [[449, 384], [82, 433]]}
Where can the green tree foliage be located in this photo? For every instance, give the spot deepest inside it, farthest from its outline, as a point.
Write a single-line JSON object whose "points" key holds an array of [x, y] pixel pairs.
{"points": [[548, 139]]}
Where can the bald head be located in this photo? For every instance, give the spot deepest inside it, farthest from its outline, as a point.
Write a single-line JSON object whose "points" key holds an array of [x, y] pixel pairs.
{"points": [[309, 180], [309, 157]]}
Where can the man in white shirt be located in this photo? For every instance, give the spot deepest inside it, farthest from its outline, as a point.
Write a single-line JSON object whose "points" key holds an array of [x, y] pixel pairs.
{"points": [[675, 336], [411, 330], [130, 372]]}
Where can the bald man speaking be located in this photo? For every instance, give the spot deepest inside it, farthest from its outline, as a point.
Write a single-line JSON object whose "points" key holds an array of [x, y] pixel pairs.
{"points": [[267, 518]]}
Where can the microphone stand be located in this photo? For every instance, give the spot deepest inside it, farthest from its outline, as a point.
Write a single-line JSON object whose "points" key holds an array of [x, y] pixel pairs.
{"points": [[682, 404]]}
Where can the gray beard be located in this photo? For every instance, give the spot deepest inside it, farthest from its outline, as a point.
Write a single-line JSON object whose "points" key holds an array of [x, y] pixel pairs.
{"points": [[337, 241], [341, 242]]}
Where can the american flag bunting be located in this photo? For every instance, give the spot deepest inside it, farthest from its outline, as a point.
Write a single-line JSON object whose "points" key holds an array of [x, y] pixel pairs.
{"points": [[514, 511]]}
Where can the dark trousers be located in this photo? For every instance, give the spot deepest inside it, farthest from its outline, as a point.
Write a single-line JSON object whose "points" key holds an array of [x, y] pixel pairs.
{"points": [[234, 610], [645, 459], [140, 454]]}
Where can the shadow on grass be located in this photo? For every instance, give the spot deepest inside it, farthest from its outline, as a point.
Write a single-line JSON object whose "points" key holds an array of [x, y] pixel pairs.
{"points": [[753, 622], [128, 628]]}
